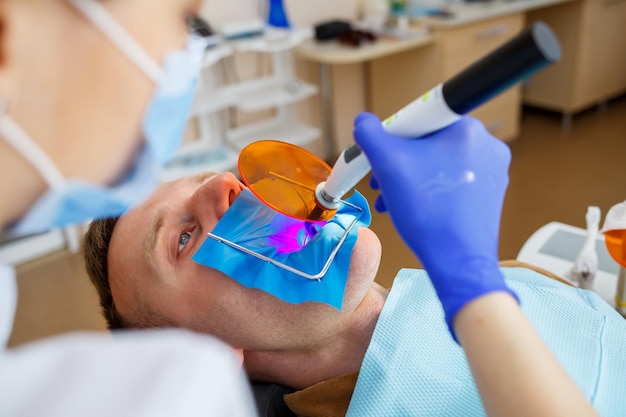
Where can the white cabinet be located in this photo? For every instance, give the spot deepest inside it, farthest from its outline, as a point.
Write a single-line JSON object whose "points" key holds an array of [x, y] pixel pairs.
{"points": [[19, 250], [214, 145]]}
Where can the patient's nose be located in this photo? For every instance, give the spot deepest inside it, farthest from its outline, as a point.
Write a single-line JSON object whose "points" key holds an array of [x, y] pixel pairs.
{"points": [[211, 200]]}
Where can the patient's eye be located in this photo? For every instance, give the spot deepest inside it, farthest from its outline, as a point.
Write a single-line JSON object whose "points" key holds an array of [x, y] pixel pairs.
{"points": [[183, 240]]}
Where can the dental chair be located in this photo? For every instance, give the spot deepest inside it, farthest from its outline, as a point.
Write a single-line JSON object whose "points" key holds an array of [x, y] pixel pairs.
{"points": [[269, 399], [554, 247]]}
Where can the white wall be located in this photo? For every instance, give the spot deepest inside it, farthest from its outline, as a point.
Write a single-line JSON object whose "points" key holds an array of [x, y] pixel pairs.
{"points": [[303, 12], [300, 12], [221, 11]]}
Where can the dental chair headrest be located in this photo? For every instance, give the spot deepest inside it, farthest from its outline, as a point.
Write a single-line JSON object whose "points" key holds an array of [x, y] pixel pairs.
{"points": [[269, 399]]}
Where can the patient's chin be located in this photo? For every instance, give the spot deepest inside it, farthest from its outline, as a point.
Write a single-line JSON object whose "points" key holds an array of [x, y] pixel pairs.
{"points": [[363, 266]]}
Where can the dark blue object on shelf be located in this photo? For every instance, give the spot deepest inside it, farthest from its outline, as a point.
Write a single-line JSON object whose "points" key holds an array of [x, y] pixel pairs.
{"points": [[277, 16]]}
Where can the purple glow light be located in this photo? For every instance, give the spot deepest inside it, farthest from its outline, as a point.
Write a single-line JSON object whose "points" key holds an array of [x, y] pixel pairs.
{"points": [[293, 235]]}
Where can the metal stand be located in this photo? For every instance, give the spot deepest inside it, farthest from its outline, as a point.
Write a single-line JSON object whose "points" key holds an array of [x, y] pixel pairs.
{"points": [[567, 120]]}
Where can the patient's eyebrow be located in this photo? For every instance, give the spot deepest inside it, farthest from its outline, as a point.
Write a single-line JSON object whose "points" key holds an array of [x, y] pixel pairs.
{"points": [[152, 237]]}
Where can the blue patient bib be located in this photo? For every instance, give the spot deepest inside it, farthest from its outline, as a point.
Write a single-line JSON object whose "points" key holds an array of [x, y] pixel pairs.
{"points": [[414, 368]]}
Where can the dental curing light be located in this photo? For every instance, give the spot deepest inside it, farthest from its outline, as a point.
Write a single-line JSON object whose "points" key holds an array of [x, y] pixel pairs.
{"points": [[297, 183], [526, 53]]}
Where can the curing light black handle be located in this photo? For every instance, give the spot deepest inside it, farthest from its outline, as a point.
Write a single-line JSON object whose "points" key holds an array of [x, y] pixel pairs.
{"points": [[529, 51]]}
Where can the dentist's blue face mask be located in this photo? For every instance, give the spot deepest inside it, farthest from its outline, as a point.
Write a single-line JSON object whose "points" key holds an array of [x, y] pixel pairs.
{"points": [[71, 201]]}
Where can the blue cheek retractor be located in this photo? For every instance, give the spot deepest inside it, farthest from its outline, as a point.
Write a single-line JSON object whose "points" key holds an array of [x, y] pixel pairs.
{"points": [[292, 259]]}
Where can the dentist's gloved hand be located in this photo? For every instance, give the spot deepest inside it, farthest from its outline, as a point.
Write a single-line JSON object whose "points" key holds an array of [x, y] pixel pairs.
{"points": [[444, 193]]}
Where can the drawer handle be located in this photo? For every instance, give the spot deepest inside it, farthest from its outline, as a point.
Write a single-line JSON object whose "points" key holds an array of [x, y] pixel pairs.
{"points": [[493, 126], [492, 32]]}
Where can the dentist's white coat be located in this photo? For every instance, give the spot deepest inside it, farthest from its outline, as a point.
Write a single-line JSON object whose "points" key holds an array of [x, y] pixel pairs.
{"points": [[138, 373]]}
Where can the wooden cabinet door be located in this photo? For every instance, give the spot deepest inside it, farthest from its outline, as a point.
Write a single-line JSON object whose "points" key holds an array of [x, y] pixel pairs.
{"points": [[602, 51]]}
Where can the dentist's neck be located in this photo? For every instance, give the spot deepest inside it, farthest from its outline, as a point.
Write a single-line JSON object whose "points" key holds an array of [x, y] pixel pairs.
{"points": [[341, 354]]}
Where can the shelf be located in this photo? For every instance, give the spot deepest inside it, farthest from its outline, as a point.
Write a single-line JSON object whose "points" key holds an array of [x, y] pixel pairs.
{"points": [[264, 93], [271, 40], [274, 40], [211, 100], [215, 53], [24, 249], [290, 131], [218, 159], [279, 90], [253, 95]]}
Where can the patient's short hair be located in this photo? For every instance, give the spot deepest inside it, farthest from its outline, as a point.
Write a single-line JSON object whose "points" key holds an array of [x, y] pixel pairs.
{"points": [[96, 255]]}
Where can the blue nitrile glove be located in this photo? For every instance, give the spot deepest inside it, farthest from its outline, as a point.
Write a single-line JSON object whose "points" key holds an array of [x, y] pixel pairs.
{"points": [[444, 193]]}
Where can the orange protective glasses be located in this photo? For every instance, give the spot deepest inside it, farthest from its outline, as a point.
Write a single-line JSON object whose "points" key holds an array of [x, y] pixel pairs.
{"points": [[615, 241], [284, 176]]}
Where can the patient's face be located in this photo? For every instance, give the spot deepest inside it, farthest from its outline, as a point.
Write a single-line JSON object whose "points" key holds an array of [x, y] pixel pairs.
{"points": [[152, 275]]}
